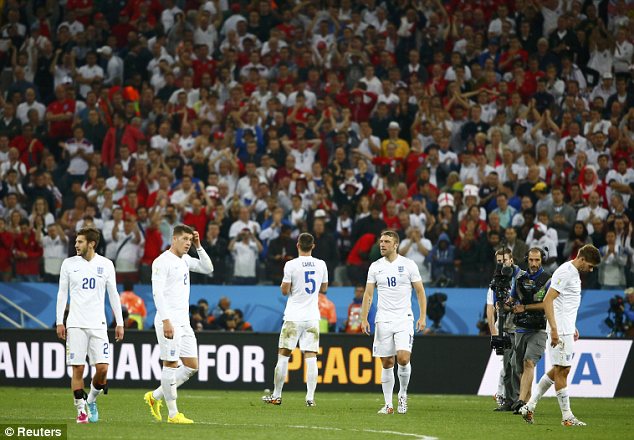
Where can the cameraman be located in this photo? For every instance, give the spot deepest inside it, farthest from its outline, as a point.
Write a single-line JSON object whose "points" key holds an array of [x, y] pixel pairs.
{"points": [[530, 332], [509, 385]]}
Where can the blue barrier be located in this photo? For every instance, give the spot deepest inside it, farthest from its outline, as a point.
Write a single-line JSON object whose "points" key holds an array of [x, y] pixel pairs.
{"points": [[263, 306]]}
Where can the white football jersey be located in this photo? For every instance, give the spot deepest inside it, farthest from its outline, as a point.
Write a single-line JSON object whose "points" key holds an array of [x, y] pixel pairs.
{"points": [[567, 282], [87, 281], [306, 274], [170, 284], [394, 285]]}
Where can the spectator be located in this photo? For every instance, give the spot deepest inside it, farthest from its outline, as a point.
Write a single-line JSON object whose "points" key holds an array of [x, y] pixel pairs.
{"points": [[245, 249], [358, 260], [518, 247], [240, 324], [325, 244], [55, 250], [417, 248], [576, 240], [224, 303], [216, 247], [613, 262], [442, 261], [134, 304], [6, 252], [27, 253], [281, 250], [129, 249], [328, 313]]}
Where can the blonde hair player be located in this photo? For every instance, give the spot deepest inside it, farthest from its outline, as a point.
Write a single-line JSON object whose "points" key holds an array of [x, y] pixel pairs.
{"points": [[394, 276]]}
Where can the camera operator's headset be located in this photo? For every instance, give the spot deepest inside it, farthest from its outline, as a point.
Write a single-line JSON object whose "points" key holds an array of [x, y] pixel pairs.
{"points": [[542, 252]]}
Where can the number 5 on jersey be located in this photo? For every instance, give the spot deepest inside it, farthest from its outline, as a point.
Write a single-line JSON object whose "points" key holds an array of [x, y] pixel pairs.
{"points": [[309, 280]]}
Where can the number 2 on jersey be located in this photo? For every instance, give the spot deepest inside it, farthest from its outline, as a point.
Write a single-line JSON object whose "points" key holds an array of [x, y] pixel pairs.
{"points": [[311, 281], [391, 281]]}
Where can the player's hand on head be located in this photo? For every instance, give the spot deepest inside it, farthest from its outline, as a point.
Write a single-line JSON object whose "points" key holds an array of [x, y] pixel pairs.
{"points": [[61, 331], [196, 239]]}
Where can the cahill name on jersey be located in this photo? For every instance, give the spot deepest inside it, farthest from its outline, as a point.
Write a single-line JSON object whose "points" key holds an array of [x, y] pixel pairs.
{"points": [[306, 274], [394, 284]]}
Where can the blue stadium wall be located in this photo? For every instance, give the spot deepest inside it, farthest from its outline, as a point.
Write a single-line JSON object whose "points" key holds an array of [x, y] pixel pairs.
{"points": [[263, 306]]}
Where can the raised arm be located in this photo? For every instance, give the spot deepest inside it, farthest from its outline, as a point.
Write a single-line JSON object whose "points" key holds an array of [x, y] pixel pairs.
{"points": [[203, 264]]}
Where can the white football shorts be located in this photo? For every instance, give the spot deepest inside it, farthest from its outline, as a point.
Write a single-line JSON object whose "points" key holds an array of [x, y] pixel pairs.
{"points": [[562, 354], [392, 336], [304, 332], [182, 345], [87, 341]]}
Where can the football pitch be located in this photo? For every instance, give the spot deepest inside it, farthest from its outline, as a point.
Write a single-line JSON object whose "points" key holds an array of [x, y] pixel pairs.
{"points": [[242, 415]]}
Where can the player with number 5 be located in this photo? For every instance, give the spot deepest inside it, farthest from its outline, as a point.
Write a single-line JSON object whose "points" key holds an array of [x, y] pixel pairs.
{"points": [[304, 278], [394, 276], [87, 276]]}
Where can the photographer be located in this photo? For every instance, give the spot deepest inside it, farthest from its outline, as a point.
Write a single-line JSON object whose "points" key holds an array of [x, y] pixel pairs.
{"points": [[530, 332], [497, 297]]}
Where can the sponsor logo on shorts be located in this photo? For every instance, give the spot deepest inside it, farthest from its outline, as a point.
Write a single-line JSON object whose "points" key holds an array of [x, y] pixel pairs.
{"points": [[172, 352], [72, 356]]}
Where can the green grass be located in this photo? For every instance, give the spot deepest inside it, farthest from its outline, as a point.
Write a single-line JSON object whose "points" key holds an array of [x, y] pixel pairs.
{"points": [[241, 415]]}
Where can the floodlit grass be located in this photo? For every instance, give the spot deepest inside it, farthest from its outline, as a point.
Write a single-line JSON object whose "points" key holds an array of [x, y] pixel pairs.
{"points": [[242, 415]]}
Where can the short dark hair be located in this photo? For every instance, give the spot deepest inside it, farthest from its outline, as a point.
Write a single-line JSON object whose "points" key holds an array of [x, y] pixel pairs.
{"points": [[91, 234], [182, 229], [590, 254], [503, 251], [390, 233], [305, 241]]}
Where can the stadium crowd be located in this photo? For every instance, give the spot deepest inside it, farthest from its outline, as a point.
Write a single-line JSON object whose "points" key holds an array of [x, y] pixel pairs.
{"points": [[462, 125]]}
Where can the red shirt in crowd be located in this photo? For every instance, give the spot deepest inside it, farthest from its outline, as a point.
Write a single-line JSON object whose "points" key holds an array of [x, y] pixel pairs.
{"points": [[28, 244], [61, 129], [153, 245]]}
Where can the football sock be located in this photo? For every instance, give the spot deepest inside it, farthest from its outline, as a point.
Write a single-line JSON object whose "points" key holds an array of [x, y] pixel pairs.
{"points": [[564, 403], [168, 383], [311, 377], [544, 384], [387, 383], [94, 392], [80, 401], [280, 374], [404, 373], [501, 384], [183, 374]]}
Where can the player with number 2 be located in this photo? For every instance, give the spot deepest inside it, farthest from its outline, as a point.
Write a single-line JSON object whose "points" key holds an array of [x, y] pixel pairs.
{"points": [[304, 278]]}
